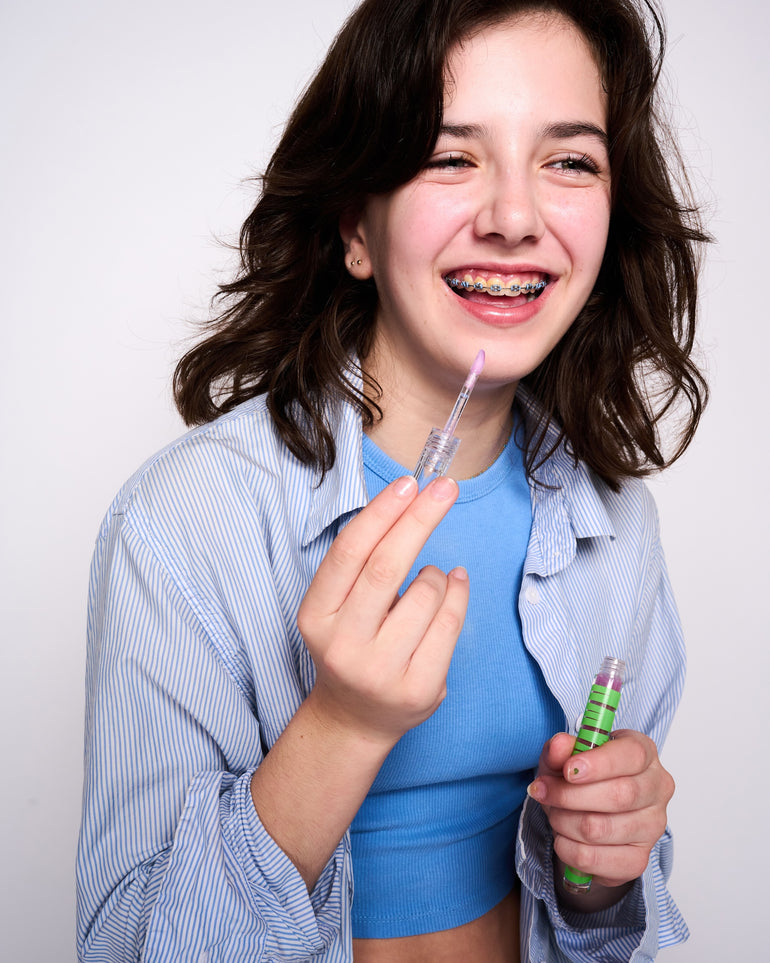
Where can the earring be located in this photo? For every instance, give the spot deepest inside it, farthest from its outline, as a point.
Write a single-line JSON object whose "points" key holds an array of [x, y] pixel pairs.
{"points": [[355, 262]]}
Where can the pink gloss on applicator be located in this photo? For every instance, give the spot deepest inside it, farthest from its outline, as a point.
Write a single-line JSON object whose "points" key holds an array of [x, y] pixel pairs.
{"points": [[440, 448]]}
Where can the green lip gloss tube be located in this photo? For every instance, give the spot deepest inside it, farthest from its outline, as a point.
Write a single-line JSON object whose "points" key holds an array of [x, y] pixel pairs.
{"points": [[595, 731]]}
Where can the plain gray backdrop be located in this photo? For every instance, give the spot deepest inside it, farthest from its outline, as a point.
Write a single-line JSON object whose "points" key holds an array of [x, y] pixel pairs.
{"points": [[129, 132]]}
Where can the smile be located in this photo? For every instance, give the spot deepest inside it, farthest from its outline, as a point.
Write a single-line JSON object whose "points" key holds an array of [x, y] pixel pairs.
{"points": [[496, 287]]}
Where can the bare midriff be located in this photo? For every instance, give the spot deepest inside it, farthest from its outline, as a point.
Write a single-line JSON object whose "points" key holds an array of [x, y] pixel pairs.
{"points": [[493, 938]]}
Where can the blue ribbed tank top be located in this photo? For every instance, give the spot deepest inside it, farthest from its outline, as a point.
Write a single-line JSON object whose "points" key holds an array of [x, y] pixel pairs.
{"points": [[433, 842]]}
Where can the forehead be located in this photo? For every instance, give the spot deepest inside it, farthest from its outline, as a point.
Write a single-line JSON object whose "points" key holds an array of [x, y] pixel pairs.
{"points": [[534, 61]]}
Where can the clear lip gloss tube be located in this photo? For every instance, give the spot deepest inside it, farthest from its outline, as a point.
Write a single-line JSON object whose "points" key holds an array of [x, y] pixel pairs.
{"points": [[594, 731], [440, 448]]}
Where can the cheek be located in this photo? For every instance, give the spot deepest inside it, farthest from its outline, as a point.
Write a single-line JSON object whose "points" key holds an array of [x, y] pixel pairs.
{"points": [[582, 226]]}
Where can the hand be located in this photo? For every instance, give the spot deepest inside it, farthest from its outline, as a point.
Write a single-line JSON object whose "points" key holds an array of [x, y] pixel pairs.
{"points": [[381, 660], [607, 809]]}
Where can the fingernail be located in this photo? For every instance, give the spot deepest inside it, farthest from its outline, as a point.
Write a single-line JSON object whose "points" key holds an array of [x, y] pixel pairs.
{"points": [[573, 772], [536, 790], [442, 489], [460, 573], [404, 486]]}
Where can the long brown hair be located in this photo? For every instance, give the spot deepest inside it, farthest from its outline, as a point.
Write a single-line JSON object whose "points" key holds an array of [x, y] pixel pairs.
{"points": [[293, 319]]}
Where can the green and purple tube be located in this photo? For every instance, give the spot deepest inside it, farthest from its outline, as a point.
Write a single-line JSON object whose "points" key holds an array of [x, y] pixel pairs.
{"points": [[594, 731]]}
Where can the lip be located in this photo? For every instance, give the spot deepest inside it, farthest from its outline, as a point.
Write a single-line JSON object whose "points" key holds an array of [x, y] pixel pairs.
{"points": [[489, 268], [502, 311]]}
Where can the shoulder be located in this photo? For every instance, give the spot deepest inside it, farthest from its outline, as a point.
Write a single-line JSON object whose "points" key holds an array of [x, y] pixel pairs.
{"points": [[239, 457], [632, 507]]}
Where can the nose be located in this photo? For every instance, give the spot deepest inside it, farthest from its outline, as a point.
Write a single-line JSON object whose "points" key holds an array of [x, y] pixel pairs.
{"points": [[510, 209]]}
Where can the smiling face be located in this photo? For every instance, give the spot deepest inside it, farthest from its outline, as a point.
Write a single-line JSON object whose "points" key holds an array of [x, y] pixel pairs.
{"points": [[497, 243]]}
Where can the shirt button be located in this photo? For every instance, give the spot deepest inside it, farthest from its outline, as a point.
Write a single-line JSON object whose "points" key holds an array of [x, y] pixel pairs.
{"points": [[532, 595]]}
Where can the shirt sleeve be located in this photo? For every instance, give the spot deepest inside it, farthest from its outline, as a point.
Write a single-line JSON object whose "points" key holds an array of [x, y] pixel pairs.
{"points": [[633, 930], [173, 861], [647, 918]]}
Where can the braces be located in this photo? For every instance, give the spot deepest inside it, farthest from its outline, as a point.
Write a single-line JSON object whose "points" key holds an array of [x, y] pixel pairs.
{"points": [[528, 288]]}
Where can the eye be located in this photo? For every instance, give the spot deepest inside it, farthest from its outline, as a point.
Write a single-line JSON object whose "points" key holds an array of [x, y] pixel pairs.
{"points": [[576, 164], [449, 161]]}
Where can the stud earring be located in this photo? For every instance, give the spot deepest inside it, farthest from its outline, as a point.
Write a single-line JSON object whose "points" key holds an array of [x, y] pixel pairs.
{"points": [[356, 261]]}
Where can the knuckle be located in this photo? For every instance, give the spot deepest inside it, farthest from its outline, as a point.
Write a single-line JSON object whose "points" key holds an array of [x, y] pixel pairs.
{"points": [[344, 552], [381, 572], [429, 588], [638, 861], [638, 754], [594, 827], [449, 622], [659, 826], [669, 786], [624, 794], [303, 621]]}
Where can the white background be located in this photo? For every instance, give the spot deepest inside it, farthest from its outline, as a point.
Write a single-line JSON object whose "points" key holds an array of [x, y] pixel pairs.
{"points": [[128, 131]]}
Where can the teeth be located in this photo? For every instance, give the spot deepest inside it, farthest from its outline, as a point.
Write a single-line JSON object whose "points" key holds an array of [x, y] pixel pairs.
{"points": [[496, 287]]}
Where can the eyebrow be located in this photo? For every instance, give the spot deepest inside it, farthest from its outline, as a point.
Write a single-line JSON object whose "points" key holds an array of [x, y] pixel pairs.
{"points": [[464, 131], [558, 130], [566, 129]]}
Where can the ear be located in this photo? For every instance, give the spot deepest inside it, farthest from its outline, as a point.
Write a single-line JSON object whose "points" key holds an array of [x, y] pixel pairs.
{"points": [[353, 236]]}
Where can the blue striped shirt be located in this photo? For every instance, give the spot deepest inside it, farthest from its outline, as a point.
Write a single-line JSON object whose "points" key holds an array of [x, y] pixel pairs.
{"points": [[195, 666]]}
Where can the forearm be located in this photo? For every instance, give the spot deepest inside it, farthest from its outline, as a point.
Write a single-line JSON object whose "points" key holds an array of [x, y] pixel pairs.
{"points": [[311, 784]]}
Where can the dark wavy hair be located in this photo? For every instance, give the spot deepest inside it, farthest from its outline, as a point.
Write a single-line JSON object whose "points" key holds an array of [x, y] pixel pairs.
{"points": [[293, 319]]}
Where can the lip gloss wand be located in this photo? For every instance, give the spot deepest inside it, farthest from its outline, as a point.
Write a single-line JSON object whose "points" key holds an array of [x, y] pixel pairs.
{"points": [[440, 448]]}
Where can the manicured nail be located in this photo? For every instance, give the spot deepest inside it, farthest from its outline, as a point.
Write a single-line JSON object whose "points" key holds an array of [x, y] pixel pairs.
{"points": [[536, 790], [405, 486], [574, 772], [442, 489]]}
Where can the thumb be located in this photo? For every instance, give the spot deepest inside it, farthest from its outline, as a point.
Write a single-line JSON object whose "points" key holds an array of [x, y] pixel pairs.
{"points": [[556, 752]]}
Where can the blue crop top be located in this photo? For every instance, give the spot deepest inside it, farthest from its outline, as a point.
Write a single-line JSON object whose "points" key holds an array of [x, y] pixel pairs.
{"points": [[433, 842]]}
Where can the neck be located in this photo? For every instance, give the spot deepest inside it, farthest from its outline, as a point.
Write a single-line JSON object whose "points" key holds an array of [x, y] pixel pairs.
{"points": [[410, 408]]}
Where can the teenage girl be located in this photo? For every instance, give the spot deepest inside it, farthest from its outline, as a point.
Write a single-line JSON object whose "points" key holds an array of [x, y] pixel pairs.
{"points": [[330, 715]]}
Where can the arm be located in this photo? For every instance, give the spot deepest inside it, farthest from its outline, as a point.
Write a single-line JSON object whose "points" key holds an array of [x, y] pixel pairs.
{"points": [[638, 621], [191, 841], [381, 670]]}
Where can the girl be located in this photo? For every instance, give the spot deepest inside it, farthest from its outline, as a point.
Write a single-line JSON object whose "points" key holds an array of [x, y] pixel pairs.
{"points": [[318, 697]]}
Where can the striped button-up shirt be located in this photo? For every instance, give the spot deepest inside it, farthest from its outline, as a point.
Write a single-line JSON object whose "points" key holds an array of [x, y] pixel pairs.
{"points": [[195, 667]]}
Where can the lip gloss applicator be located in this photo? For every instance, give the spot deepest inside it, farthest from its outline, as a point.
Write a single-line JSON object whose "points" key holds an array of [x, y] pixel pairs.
{"points": [[440, 448]]}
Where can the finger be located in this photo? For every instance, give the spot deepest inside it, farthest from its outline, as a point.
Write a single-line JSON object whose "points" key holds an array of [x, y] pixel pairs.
{"points": [[556, 752], [626, 754], [351, 549], [431, 659], [389, 563], [608, 865], [409, 619], [615, 795], [638, 828]]}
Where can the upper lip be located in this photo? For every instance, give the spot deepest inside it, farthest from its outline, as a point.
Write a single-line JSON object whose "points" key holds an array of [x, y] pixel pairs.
{"points": [[497, 270]]}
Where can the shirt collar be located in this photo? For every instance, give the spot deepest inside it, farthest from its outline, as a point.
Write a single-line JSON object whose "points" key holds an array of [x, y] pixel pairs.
{"points": [[568, 492], [567, 500], [342, 491]]}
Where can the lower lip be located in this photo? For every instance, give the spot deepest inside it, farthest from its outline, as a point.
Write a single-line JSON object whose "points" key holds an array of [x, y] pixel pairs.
{"points": [[508, 313]]}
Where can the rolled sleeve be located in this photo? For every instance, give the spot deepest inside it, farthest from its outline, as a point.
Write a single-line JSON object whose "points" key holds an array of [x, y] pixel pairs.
{"points": [[174, 863], [229, 892], [631, 930]]}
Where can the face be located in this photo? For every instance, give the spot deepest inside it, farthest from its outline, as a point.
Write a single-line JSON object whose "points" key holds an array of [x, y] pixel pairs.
{"points": [[516, 193]]}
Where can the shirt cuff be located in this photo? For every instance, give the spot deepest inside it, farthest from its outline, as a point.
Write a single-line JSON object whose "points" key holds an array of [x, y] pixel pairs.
{"points": [[310, 920], [609, 934]]}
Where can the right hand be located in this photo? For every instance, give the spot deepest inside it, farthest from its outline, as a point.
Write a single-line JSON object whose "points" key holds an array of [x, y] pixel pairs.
{"points": [[382, 660]]}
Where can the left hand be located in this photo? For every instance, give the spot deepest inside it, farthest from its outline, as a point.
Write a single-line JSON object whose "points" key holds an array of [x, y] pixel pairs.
{"points": [[607, 809]]}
